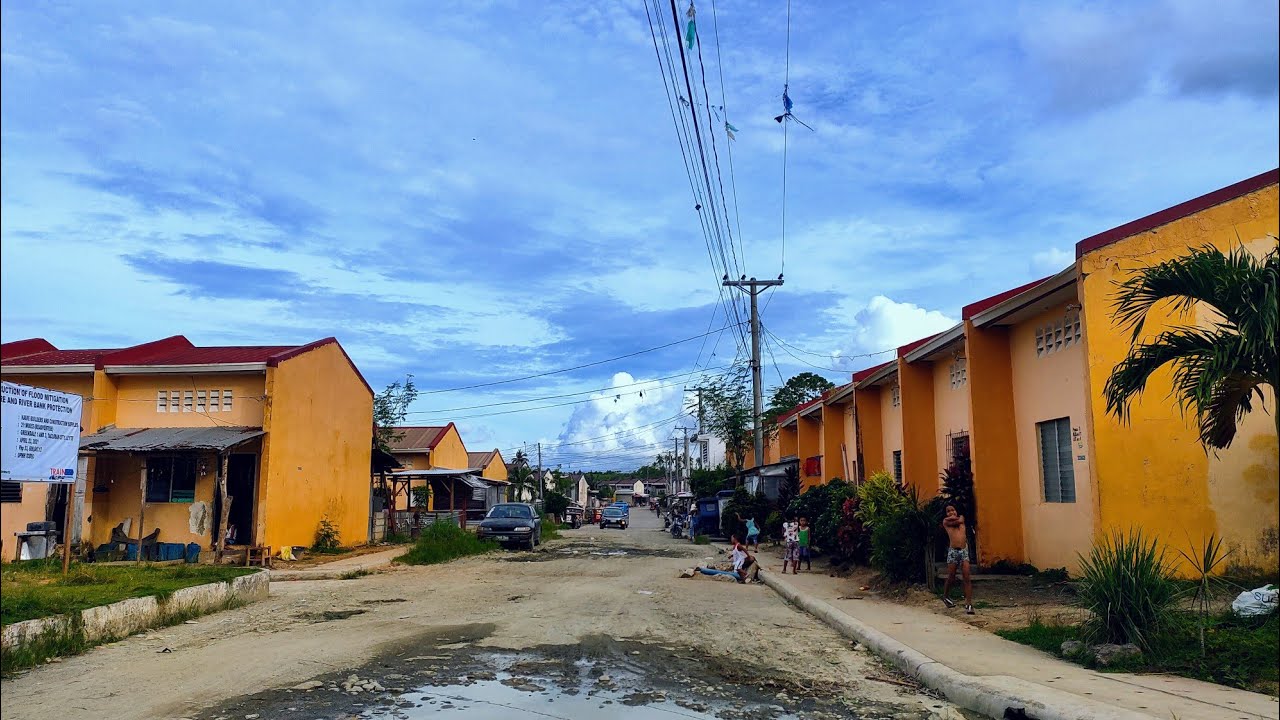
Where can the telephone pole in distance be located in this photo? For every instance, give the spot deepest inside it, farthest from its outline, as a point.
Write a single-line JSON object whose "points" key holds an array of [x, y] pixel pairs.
{"points": [[754, 287]]}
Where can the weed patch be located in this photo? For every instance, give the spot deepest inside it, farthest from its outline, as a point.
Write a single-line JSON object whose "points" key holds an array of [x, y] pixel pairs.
{"points": [[443, 541]]}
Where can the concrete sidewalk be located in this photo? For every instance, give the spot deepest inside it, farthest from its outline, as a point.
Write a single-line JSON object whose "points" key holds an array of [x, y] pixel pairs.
{"points": [[338, 568], [986, 673]]}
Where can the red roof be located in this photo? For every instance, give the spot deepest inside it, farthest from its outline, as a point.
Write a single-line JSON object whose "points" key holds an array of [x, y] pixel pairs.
{"points": [[902, 351], [1179, 211], [175, 350], [976, 307], [864, 374], [419, 437]]}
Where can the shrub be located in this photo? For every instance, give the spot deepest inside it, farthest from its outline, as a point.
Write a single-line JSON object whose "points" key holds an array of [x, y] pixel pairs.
{"points": [[550, 530], [555, 503], [421, 495], [327, 539], [879, 498], [853, 536], [747, 505], [443, 541], [1125, 584]]}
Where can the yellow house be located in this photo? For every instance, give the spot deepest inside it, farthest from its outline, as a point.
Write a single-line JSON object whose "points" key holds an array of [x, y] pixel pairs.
{"points": [[268, 441], [489, 464], [1153, 472]]}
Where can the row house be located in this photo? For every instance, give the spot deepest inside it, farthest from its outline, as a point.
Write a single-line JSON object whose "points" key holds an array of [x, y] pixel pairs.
{"points": [[459, 481], [1015, 389], [256, 445]]}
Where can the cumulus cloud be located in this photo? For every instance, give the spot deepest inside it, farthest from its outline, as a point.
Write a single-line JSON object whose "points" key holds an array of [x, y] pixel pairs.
{"points": [[882, 324], [619, 428]]}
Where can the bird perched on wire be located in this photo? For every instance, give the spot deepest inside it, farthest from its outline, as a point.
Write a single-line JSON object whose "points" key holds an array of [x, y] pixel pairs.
{"points": [[786, 109]]}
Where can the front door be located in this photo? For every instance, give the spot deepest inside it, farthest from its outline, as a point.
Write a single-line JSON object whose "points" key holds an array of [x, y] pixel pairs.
{"points": [[241, 473]]}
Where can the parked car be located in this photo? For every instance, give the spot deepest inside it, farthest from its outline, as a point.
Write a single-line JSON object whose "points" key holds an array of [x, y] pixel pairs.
{"points": [[623, 506], [512, 524], [613, 516]]}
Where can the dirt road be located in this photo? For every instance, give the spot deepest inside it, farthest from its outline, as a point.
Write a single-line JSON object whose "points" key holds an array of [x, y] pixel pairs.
{"points": [[613, 596]]}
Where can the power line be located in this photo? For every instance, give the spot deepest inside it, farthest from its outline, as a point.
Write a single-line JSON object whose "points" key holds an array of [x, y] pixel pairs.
{"points": [[715, 22], [620, 433], [569, 369], [565, 395], [786, 84]]}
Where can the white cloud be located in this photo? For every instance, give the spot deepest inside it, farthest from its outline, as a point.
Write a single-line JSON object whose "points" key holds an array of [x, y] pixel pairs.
{"points": [[882, 324], [1051, 260], [619, 429]]}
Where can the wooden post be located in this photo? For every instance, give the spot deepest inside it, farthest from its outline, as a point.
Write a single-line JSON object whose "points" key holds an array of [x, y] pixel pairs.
{"points": [[224, 505], [142, 507], [66, 529]]}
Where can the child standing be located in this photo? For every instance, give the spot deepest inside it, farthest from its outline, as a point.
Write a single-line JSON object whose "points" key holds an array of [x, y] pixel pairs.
{"points": [[803, 543], [791, 536], [753, 532]]}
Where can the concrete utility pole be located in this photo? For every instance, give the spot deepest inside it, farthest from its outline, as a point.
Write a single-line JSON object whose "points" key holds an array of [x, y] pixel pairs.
{"points": [[540, 483], [753, 288], [675, 461], [685, 430]]}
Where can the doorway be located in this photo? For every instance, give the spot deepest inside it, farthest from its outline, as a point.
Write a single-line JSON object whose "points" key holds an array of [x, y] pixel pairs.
{"points": [[241, 487]]}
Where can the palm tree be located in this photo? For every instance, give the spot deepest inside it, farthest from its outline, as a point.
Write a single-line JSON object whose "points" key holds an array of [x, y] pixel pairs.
{"points": [[520, 476], [1217, 370]]}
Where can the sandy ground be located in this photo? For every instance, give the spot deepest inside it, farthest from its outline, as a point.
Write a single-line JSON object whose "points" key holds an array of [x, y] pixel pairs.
{"points": [[591, 584]]}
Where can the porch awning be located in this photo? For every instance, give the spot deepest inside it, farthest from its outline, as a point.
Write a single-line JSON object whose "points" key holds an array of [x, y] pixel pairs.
{"points": [[172, 439]]}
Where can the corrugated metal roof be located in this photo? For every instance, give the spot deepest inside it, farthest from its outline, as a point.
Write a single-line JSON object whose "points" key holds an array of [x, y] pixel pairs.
{"points": [[158, 439], [417, 438], [57, 357], [216, 355], [480, 459]]}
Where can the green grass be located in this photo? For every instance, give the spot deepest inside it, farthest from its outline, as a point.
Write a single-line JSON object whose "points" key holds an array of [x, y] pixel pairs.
{"points": [[701, 539], [354, 574], [550, 530], [36, 589], [1239, 652], [443, 541]]}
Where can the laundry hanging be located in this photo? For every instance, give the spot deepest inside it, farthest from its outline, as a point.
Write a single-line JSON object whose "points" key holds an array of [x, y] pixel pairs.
{"points": [[786, 109], [730, 130]]}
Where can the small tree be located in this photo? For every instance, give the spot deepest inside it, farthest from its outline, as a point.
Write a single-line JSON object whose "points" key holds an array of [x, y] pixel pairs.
{"points": [[520, 476], [555, 504], [727, 413], [789, 486], [605, 492], [390, 407], [421, 495], [705, 483], [798, 390]]}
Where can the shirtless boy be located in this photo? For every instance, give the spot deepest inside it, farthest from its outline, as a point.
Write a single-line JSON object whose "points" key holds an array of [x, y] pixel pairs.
{"points": [[957, 557]]}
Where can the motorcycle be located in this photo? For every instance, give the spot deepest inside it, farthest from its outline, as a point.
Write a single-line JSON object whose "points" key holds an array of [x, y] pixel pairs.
{"points": [[677, 527]]}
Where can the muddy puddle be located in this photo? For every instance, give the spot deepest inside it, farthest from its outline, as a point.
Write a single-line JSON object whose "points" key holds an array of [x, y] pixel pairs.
{"points": [[450, 675], [587, 550]]}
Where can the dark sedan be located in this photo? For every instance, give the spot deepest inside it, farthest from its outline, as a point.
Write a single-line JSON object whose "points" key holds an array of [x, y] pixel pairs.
{"points": [[512, 523]]}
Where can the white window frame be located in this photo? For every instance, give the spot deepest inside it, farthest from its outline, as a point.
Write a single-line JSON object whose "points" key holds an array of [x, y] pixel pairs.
{"points": [[215, 400], [175, 401], [202, 397], [226, 400], [188, 400], [162, 401]]}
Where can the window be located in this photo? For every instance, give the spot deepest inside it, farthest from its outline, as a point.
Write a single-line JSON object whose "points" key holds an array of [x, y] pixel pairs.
{"points": [[959, 447], [1057, 473], [175, 401], [171, 479], [1058, 335], [897, 466], [959, 373], [215, 400], [10, 492], [187, 397], [226, 401], [895, 395], [162, 401], [201, 400]]}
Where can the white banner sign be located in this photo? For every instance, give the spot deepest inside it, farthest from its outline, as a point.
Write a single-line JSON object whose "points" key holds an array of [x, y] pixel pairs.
{"points": [[41, 434]]}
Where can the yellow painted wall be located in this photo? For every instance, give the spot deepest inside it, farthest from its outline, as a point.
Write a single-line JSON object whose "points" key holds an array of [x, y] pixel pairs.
{"points": [[15, 516], [319, 424], [787, 440], [772, 450], [809, 444], [867, 403], [919, 448], [1153, 472], [991, 439], [136, 400], [449, 452], [950, 411], [496, 469], [832, 437], [1048, 387], [122, 476]]}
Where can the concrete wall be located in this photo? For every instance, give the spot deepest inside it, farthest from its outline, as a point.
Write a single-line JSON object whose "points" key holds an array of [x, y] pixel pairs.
{"points": [[919, 449], [869, 416], [1152, 471], [809, 444], [135, 400], [891, 434], [832, 437], [316, 452], [124, 618], [449, 451], [1047, 387]]}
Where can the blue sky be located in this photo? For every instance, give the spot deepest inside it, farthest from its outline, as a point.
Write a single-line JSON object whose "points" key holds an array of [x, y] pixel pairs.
{"points": [[476, 191]]}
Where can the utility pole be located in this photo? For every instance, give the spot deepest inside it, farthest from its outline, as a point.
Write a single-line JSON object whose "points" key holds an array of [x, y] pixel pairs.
{"points": [[675, 461], [685, 430], [753, 288], [540, 483]]}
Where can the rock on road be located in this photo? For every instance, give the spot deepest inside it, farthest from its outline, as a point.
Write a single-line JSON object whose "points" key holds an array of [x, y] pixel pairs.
{"points": [[621, 585]]}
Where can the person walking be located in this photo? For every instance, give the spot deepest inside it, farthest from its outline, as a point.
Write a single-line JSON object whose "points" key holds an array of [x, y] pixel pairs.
{"points": [[753, 531], [957, 558]]}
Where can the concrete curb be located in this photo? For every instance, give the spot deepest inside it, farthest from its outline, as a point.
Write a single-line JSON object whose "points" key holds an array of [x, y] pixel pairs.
{"points": [[990, 695], [134, 615]]}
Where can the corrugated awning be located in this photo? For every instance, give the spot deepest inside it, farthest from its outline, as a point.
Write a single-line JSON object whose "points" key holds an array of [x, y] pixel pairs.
{"points": [[171, 439]]}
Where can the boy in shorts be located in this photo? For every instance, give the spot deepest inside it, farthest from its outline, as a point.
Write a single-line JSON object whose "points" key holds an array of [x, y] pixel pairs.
{"points": [[957, 557], [804, 543]]}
